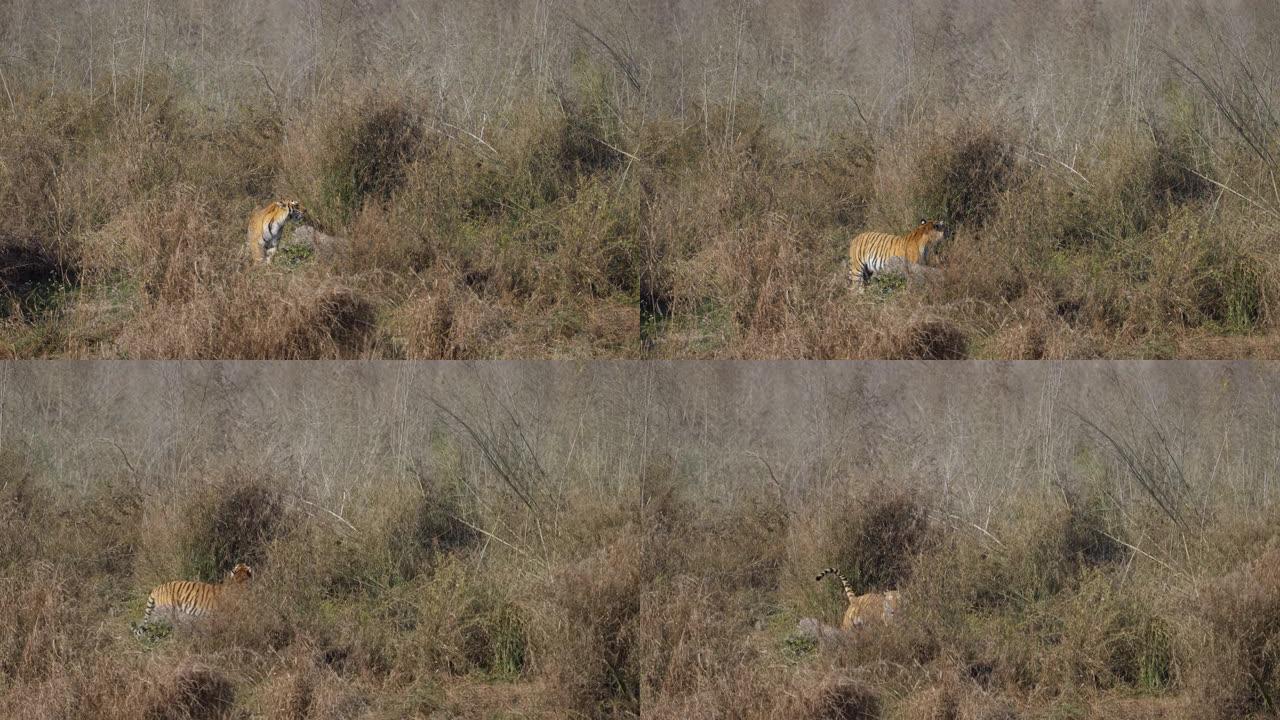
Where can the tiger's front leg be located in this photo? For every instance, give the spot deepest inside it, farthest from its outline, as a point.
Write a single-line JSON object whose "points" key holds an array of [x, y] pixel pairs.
{"points": [[271, 240]]}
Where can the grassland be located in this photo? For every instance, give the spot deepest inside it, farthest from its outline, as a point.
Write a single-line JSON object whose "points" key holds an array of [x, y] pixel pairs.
{"points": [[1109, 170], [428, 543], [574, 179], [476, 216], [1085, 541], [524, 541]]}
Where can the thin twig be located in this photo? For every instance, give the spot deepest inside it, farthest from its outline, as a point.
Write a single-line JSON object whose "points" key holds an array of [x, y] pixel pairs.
{"points": [[473, 136], [616, 149], [1142, 552], [1077, 173], [498, 464], [773, 477], [266, 81], [625, 64], [123, 454], [1246, 198], [975, 526], [13, 107], [488, 534], [335, 515]]}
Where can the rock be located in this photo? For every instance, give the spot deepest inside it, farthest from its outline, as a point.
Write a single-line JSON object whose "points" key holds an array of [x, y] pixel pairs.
{"points": [[818, 630], [322, 245]]}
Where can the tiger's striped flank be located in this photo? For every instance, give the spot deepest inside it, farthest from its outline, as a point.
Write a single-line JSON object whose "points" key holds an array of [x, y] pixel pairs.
{"points": [[873, 252], [188, 599]]}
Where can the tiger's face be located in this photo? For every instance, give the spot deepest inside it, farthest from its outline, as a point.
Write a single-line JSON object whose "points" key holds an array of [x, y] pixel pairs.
{"points": [[240, 573], [296, 211], [936, 230]]}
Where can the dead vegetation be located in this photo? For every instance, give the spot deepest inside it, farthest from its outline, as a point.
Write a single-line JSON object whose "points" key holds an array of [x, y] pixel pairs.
{"points": [[1023, 594], [457, 580], [559, 180]]}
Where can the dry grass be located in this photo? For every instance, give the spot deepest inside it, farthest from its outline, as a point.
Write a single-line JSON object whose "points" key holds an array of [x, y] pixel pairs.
{"points": [[568, 179], [1039, 575], [1136, 261], [589, 541], [127, 227], [437, 573]]}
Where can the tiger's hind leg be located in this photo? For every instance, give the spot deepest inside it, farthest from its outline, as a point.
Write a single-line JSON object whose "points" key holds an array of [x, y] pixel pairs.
{"points": [[862, 278]]}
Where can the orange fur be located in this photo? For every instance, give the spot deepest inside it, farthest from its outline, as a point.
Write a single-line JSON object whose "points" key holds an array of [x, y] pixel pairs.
{"points": [[266, 225], [871, 252], [189, 598], [863, 609]]}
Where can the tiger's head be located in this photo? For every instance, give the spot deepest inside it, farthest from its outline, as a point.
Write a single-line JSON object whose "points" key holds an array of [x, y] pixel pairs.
{"points": [[929, 233], [240, 573], [935, 230], [296, 211]]}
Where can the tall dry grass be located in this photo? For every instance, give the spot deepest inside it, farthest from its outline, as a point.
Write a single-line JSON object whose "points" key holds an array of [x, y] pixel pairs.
{"points": [[429, 542], [1119, 567], [471, 222], [592, 541], [551, 178]]}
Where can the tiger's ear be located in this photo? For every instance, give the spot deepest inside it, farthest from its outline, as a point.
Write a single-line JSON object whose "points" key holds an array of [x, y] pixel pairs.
{"points": [[924, 221]]}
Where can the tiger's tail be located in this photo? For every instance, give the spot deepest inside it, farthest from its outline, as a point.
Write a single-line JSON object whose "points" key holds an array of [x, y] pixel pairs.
{"points": [[140, 628], [848, 589]]}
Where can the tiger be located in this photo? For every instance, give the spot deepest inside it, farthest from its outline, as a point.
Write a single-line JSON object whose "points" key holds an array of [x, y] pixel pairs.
{"points": [[266, 226], [872, 252], [189, 599], [863, 609]]}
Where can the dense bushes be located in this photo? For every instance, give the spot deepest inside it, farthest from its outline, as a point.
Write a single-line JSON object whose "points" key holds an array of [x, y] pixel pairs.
{"points": [[399, 606], [1046, 604]]}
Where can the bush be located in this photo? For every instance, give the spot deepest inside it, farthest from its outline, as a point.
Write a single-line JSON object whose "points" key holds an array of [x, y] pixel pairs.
{"points": [[875, 538], [844, 699], [590, 629], [192, 692], [32, 279], [294, 315], [961, 176], [1237, 672], [234, 523], [367, 156]]}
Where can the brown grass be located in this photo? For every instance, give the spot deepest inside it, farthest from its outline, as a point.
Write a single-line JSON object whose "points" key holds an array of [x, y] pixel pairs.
{"points": [[1037, 574], [566, 541], [443, 251], [416, 585], [611, 181]]}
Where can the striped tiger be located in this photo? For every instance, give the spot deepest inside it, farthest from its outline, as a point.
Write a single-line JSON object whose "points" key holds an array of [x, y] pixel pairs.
{"points": [[866, 608], [266, 225], [872, 252], [188, 599]]}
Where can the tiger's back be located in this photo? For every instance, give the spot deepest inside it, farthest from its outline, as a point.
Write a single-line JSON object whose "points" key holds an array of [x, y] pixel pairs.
{"points": [[870, 608], [873, 252], [183, 597]]}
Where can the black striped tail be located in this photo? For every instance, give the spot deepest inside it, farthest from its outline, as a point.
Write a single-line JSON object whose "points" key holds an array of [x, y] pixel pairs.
{"points": [[848, 589], [140, 628]]}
